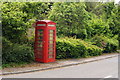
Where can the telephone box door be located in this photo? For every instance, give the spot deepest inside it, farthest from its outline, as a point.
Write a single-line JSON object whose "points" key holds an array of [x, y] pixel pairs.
{"points": [[51, 44], [39, 44]]}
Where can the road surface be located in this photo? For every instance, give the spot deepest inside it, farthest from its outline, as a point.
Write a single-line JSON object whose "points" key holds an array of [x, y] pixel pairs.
{"points": [[107, 68]]}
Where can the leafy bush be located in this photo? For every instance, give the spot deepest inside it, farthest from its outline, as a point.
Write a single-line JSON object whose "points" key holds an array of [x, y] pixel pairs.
{"points": [[16, 52], [75, 48], [108, 44]]}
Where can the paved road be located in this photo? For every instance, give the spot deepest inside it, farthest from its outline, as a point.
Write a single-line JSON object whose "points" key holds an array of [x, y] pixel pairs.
{"points": [[107, 68]]}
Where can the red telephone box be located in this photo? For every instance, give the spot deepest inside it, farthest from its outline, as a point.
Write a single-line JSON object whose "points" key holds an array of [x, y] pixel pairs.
{"points": [[45, 41]]}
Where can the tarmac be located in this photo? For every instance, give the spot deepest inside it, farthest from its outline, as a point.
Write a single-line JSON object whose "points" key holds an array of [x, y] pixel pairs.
{"points": [[37, 66]]}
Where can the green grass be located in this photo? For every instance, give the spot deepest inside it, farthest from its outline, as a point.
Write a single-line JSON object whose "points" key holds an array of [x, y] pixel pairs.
{"points": [[20, 64], [0, 67]]}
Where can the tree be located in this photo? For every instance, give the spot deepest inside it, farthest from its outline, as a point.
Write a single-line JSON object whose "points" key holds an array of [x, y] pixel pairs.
{"points": [[91, 6], [13, 21], [17, 17], [37, 10], [112, 16], [70, 18]]}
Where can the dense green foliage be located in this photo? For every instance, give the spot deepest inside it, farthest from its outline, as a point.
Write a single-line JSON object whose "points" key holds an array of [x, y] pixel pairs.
{"points": [[74, 19], [13, 22], [16, 52], [75, 48], [71, 18], [107, 44], [17, 18], [85, 21]]}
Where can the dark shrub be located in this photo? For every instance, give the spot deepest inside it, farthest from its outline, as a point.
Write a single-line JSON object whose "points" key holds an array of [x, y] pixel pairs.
{"points": [[15, 52]]}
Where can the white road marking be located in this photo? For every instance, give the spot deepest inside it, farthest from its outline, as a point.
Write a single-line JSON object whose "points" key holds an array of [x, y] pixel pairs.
{"points": [[0, 78], [106, 77]]}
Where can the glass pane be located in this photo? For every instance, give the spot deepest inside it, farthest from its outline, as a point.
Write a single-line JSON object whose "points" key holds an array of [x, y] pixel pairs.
{"points": [[50, 52], [50, 49], [40, 49], [50, 56], [40, 41], [51, 31], [51, 38], [40, 37], [40, 34], [40, 56], [50, 42], [51, 34], [40, 53], [50, 45], [40, 30], [40, 45]]}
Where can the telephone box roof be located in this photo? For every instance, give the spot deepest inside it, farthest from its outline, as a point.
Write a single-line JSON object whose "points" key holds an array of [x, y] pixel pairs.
{"points": [[46, 21]]}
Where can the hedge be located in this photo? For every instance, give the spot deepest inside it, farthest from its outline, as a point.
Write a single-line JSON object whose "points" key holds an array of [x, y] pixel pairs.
{"points": [[15, 53], [75, 48], [66, 48], [108, 44]]}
